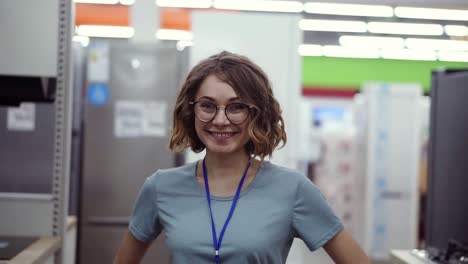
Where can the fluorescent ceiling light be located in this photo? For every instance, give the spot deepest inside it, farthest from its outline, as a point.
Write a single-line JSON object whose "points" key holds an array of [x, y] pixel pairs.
{"points": [[185, 3], [332, 25], [346, 52], [406, 54], [84, 40], [104, 2], [405, 28], [436, 44], [375, 42], [453, 56], [105, 31], [310, 50], [349, 9], [456, 30], [127, 2], [172, 34], [431, 13], [260, 5]]}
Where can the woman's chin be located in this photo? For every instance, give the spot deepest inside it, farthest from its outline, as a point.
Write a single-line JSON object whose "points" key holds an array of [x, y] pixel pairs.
{"points": [[221, 149]]}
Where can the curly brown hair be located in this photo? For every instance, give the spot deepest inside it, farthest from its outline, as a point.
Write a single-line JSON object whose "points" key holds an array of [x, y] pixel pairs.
{"points": [[249, 81]]}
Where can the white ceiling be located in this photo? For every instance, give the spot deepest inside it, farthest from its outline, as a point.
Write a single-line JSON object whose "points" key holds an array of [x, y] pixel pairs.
{"points": [[457, 4], [331, 38]]}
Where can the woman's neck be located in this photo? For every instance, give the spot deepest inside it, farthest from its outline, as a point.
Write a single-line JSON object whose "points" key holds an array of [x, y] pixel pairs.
{"points": [[220, 166]]}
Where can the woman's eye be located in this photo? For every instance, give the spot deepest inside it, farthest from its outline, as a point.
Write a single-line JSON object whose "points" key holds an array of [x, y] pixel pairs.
{"points": [[237, 107], [206, 105]]}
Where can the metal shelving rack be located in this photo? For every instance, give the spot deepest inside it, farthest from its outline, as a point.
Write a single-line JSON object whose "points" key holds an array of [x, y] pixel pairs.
{"points": [[23, 54], [63, 123]]}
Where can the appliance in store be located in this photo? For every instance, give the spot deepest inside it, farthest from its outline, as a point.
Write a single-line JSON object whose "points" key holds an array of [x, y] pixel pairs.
{"points": [[447, 204], [131, 89], [447, 201], [387, 143], [454, 253]]}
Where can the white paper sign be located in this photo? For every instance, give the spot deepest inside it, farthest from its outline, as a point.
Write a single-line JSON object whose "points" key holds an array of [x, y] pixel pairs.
{"points": [[140, 119], [21, 118], [128, 119], [98, 62], [155, 121]]}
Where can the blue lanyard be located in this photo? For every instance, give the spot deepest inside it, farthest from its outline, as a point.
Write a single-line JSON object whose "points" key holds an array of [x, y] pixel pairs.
{"points": [[216, 242]]}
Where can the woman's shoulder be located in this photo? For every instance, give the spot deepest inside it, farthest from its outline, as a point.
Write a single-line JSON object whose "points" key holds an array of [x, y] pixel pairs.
{"points": [[288, 181], [283, 173], [174, 174], [184, 169]]}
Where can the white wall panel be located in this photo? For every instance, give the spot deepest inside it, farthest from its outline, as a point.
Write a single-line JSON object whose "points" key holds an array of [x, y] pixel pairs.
{"points": [[271, 41], [29, 34]]}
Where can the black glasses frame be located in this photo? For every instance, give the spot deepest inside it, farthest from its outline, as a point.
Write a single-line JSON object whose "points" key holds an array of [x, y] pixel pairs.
{"points": [[251, 107]]}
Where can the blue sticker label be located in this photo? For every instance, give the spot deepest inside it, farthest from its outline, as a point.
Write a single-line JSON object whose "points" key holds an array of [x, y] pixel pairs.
{"points": [[98, 93]]}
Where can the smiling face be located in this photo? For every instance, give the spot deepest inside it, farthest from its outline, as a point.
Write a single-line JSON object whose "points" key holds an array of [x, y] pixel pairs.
{"points": [[219, 135], [220, 80]]}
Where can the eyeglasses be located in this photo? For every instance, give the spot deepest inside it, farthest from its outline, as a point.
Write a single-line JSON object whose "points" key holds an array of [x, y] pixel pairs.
{"points": [[236, 113]]}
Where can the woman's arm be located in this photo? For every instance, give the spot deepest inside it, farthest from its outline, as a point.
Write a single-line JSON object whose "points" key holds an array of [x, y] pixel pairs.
{"points": [[343, 250], [131, 250]]}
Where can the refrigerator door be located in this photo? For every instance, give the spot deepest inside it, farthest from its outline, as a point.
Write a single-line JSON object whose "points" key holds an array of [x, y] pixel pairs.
{"points": [[447, 200], [125, 140], [26, 137]]}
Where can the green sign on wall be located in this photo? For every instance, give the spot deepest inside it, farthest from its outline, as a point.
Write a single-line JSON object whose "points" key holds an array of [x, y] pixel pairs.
{"points": [[351, 73]]}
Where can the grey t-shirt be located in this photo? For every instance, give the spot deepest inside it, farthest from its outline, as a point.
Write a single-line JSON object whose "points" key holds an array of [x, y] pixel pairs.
{"points": [[278, 205]]}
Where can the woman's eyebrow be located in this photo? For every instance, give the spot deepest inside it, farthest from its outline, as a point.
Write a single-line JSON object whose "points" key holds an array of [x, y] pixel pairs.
{"points": [[214, 100]]}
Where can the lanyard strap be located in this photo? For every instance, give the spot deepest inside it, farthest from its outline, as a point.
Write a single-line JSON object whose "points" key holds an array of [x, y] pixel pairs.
{"points": [[216, 242]]}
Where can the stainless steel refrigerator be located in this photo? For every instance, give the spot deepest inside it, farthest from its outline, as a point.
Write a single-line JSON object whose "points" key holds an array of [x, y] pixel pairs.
{"points": [[127, 117]]}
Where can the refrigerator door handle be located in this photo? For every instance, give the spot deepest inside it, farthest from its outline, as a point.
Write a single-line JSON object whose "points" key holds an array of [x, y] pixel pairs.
{"points": [[108, 220]]}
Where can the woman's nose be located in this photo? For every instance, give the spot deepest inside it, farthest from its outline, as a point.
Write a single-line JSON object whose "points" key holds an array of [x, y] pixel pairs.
{"points": [[220, 117]]}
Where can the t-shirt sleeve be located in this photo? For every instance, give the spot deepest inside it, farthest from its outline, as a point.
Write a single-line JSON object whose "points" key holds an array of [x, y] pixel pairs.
{"points": [[313, 220], [144, 222]]}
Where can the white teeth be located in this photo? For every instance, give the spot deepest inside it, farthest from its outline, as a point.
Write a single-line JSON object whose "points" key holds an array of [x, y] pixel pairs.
{"points": [[222, 134]]}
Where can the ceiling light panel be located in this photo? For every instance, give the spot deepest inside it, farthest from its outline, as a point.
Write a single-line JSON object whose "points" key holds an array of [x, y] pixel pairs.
{"points": [[332, 25], [374, 42], [260, 5], [436, 44], [185, 3], [105, 31], [127, 2], [172, 34], [407, 54], [453, 56], [405, 28], [456, 30], [104, 2], [346, 52], [348, 9], [431, 13]]}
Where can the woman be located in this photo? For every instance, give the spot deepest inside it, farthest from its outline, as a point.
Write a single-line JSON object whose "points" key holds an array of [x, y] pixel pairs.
{"points": [[232, 206]]}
